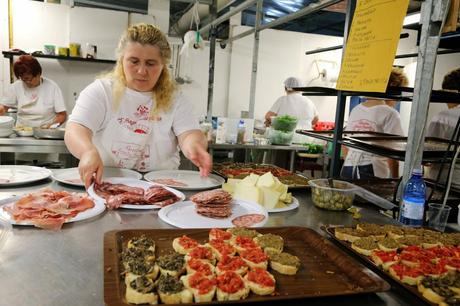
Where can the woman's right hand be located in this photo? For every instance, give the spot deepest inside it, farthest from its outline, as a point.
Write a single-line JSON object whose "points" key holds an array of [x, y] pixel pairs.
{"points": [[90, 167]]}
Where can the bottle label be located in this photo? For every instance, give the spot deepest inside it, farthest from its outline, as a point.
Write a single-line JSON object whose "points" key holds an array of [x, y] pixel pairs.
{"points": [[412, 210]]}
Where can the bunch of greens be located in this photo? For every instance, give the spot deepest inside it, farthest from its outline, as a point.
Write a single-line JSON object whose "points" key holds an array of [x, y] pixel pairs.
{"points": [[313, 148], [284, 123]]}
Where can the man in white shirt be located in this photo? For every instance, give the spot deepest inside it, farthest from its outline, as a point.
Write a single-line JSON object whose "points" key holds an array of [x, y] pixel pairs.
{"points": [[443, 126]]}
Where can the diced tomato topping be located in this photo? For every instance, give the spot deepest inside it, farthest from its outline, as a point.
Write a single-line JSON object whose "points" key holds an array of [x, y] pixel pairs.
{"points": [[222, 247], [245, 242], [200, 252], [443, 251], [230, 282], [187, 242], [433, 269], [231, 263], [200, 282], [403, 270], [261, 277], [254, 255], [200, 266], [220, 234], [385, 256], [412, 248]]}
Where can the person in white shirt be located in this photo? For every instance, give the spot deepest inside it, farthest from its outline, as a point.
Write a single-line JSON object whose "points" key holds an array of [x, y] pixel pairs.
{"points": [[39, 100], [134, 117], [374, 115], [443, 126]]}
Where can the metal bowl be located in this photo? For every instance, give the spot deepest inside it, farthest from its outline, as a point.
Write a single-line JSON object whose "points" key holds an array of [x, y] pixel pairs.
{"points": [[57, 133]]}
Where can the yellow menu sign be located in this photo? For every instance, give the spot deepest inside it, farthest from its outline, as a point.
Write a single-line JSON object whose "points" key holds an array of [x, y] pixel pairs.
{"points": [[371, 45]]}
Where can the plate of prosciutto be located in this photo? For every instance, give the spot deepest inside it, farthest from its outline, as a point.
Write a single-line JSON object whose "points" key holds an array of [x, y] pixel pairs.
{"points": [[50, 209], [132, 193], [70, 176], [184, 179], [11, 175], [214, 208]]}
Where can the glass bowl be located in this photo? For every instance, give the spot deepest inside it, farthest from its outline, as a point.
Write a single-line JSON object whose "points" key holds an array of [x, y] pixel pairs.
{"points": [[284, 123], [279, 137], [338, 198]]}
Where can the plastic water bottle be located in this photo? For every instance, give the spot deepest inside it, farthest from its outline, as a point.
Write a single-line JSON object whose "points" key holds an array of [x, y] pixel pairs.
{"points": [[413, 200]]}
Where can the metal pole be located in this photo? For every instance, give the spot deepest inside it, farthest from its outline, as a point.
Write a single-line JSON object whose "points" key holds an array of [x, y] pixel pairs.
{"points": [[212, 59], [255, 56], [433, 15], [334, 170], [312, 8], [227, 15]]}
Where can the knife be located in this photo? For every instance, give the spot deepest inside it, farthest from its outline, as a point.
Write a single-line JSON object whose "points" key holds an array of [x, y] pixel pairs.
{"points": [[10, 199]]}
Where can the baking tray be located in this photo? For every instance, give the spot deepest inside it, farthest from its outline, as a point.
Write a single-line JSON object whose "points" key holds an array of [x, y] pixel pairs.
{"points": [[57, 133], [292, 180], [432, 148], [330, 230], [326, 270], [329, 135]]}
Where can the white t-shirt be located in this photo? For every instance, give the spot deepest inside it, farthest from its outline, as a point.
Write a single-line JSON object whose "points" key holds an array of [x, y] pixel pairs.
{"points": [[126, 137], [442, 125], [378, 118], [300, 107], [36, 106]]}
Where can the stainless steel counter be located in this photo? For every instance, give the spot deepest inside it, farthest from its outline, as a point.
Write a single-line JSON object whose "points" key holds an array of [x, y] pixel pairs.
{"points": [[39, 267], [17, 144]]}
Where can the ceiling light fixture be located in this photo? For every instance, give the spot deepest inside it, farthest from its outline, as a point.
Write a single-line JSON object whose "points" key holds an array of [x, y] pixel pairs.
{"points": [[412, 19]]}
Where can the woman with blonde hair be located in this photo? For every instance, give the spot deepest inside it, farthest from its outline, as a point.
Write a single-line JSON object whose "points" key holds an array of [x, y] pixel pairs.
{"points": [[133, 117]]}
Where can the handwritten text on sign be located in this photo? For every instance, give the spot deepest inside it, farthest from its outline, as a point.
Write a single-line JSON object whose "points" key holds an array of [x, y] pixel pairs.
{"points": [[371, 45]]}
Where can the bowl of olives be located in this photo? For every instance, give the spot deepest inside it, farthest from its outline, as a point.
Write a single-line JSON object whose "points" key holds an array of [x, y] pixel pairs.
{"points": [[338, 197]]}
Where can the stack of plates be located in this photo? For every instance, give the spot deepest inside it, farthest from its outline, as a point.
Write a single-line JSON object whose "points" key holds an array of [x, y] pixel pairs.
{"points": [[6, 126]]}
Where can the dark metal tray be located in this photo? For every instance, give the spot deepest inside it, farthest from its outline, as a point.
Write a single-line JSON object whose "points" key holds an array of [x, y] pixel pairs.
{"points": [[330, 230], [292, 180], [329, 135], [325, 271]]}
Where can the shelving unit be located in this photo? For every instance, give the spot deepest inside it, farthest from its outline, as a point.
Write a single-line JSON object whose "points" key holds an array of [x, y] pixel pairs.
{"points": [[10, 55]]}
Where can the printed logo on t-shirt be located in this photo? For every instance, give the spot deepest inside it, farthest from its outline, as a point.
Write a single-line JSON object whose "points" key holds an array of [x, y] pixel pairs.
{"points": [[135, 126], [362, 125]]}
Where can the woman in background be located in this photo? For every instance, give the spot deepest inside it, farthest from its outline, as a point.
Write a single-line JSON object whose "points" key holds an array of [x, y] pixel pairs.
{"points": [[38, 99], [134, 117]]}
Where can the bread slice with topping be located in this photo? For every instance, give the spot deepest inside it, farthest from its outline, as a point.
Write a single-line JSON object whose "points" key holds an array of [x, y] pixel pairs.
{"points": [[260, 281], [285, 263], [220, 248], [220, 234], [231, 287], [140, 290], [172, 264], [202, 286], [198, 265], [172, 291], [184, 244], [231, 263], [365, 246], [242, 231], [255, 258], [203, 253], [270, 243]]}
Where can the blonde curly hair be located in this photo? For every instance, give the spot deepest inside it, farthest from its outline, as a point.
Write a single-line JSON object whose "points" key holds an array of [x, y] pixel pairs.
{"points": [[398, 78], [163, 91]]}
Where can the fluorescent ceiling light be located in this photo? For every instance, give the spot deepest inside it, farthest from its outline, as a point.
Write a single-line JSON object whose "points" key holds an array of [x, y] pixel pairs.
{"points": [[412, 19]]}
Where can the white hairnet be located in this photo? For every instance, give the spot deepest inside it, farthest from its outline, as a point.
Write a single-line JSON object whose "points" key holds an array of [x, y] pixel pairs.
{"points": [[292, 82]]}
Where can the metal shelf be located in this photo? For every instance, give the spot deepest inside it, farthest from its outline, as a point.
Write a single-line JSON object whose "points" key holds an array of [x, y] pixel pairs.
{"points": [[11, 54]]}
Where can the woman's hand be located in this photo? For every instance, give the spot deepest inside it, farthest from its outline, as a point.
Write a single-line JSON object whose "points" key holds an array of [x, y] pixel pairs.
{"points": [[90, 167], [194, 146]]}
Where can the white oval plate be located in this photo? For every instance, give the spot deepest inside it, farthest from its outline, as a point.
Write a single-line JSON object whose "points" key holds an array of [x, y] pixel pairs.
{"points": [[292, 206], [11, 175], [98, 209], [183, 215], [70, 176], [133, 183], [192, 179]]}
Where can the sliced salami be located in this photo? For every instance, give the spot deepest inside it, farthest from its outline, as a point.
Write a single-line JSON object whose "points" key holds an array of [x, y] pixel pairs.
{"points": [[248, 220]]}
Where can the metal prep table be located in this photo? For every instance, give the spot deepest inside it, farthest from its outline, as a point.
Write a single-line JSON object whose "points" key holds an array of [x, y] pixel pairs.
{"points": [[65, 268]]}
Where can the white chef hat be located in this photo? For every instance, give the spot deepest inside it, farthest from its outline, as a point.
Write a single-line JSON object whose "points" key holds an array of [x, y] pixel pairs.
{"points": [[292, 82]]}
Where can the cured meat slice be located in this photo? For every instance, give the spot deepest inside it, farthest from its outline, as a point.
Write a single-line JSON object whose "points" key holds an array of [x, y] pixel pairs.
{"points": [[213, 203], [170, 182], [247, 220]]}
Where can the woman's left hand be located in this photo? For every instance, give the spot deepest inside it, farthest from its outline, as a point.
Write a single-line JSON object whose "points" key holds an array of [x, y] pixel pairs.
{"points": [[194, 144]]}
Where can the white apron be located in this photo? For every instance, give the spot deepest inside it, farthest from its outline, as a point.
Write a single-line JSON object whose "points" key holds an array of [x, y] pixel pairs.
{"points": [[145, 148], [33, 114]]}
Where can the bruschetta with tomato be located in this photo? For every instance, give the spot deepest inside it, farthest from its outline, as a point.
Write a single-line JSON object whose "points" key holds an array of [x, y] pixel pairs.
{"points": [[231, 287], [260, 281]]}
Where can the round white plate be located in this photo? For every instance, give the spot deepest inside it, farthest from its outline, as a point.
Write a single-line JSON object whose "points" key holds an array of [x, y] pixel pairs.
{"points": [[98, 209], [70, 176], [192, 179], [11, 175], [183, 215], [292, 206], [133, 183]]}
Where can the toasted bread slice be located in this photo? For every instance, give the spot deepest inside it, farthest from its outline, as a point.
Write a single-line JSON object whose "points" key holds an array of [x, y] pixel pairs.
{"points": [[241, 231], [199, 265], [365, 246], [242, 243], [184, 244], [231, 263], [172, 291], [231, 287], [270, 243], [255, 258], [220, 234], [285, 263], [140, 290], [198, 280], [348, 234], [388, 244], [203, 253], [260, 281], [221, 248], [172, 264], [384, 259]]}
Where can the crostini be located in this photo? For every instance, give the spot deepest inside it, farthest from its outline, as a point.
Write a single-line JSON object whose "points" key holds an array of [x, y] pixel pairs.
{"points": [[255, 258], [231, 263], [231, 287], [270, 243], [220, 248], [172, 291], [173, 264], [202, 286], [184, 244], [260, 281], [285, 263], [140, 290]]}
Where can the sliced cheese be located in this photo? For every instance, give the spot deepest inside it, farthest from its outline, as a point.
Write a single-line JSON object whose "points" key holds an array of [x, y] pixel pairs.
{"points": [[250, 180], [228, 187], [233, 181], [248, 193], [267, 180], [270, 197]]}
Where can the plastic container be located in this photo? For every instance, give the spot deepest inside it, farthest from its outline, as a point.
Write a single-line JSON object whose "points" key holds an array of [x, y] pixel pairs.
{"points": [[413, 200], [280, 137], [5, 231], [324, 126], [338, 198], [284, 123]]}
